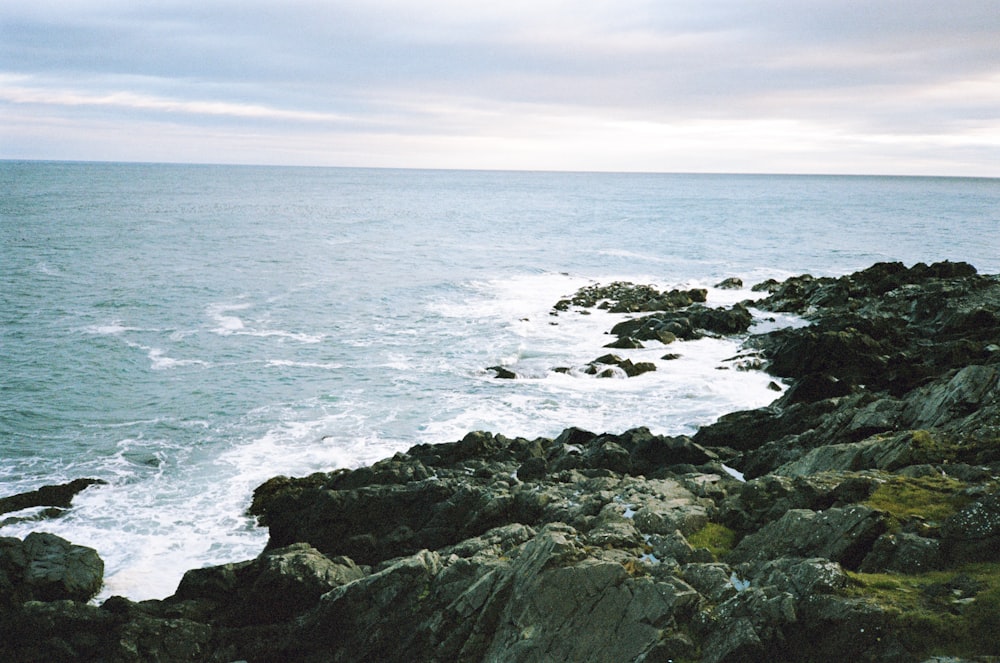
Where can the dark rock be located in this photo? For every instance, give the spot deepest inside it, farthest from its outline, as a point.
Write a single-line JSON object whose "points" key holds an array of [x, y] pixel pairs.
{"points": [[625, 343], [731, 283], [46, 567], [624, 297], [973, 534], [689, 324], [903, 553], [625, 365], [60, 495], [275, 587], [532, 469], [844, 535], [883, 452], [503, 373], [814, 387]]}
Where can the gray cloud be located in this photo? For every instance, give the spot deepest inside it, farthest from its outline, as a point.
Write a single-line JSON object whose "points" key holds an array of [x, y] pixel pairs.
{"points": [[386, 68]]}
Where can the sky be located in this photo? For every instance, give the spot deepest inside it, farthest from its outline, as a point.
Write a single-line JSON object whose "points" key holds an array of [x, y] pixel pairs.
{"points": [[795, 86]]}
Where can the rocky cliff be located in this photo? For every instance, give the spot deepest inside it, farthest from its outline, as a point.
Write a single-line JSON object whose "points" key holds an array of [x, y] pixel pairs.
{"points": [[868, 526]]}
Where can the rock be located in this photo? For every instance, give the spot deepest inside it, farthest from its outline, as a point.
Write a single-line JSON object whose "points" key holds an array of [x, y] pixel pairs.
{"points": [[966, 393], [60, 495], [46, 567], [547, 601], [973, 534], [903, 552], [624, 297], [503, 373], [275, 587], [731, 283], [625, 343], [532, 469], [598, 366], [689, 324], [746, 626], [850, 357], [71, 631], [800, 577], [844, 535], [883, 452], [815, 387], [579, 547], [712, 580]]}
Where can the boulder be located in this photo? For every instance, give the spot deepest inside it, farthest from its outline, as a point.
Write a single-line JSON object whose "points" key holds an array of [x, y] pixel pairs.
{"points": [[973, 534], [903, 552], [731, 283], [46, 567], [278, 585], [844, 535]]}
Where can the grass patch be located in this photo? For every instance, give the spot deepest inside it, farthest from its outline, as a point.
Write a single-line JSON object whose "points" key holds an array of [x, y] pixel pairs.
{"points": [[955, 612], [932, 498], [928, 448], [718, 539]]}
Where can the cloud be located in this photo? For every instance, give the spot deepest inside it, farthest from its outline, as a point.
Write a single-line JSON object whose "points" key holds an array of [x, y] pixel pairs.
{"points": [[454, 82], [19, 94]]}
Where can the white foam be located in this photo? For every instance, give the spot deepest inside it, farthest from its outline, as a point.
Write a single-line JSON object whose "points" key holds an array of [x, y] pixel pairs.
{"points": [[676, 398], [281, 363], [226, 324], [232, 325], [113, 328], [161, 362], [173, 506]]}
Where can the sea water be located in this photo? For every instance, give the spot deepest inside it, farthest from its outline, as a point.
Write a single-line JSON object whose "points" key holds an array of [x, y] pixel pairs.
{"points": [[187, 332]]}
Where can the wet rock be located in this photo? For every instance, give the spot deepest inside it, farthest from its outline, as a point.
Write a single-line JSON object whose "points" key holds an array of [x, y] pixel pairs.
{"points": [[689, 324], [59, 495], [731, 283], [625, 297], [625, 343], [607, 366], [46, 567]]}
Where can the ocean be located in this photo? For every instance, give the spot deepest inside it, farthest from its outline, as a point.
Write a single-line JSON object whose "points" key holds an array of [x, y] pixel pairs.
{"points": [[187, 332]]}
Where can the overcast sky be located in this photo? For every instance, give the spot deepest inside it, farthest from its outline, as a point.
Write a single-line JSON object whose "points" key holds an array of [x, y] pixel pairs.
{"points": [[810, 86]]}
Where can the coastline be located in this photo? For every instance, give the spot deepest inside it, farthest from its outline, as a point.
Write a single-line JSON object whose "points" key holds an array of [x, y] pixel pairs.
{"points": [[869, 507]]}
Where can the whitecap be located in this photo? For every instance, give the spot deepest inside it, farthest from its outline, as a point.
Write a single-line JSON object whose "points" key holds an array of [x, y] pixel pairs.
{"points": [[113, 328], [227, 324], [280, 363], [162, 362]]}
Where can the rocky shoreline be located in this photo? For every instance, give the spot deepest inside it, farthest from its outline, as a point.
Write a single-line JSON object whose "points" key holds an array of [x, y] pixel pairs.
{"points": [[867, 527]]}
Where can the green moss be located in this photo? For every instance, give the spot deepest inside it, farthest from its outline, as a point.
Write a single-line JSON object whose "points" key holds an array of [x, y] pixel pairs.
{"points": [[930, 448], [983, 617], [931, 498], [718, 539], [955, 612]]}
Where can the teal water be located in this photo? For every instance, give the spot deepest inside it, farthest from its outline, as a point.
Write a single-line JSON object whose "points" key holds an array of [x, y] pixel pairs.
{"points": [[186, 332]]}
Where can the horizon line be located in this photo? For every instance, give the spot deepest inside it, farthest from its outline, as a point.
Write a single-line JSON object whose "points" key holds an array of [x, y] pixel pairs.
{"points": [[489, 170]]}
